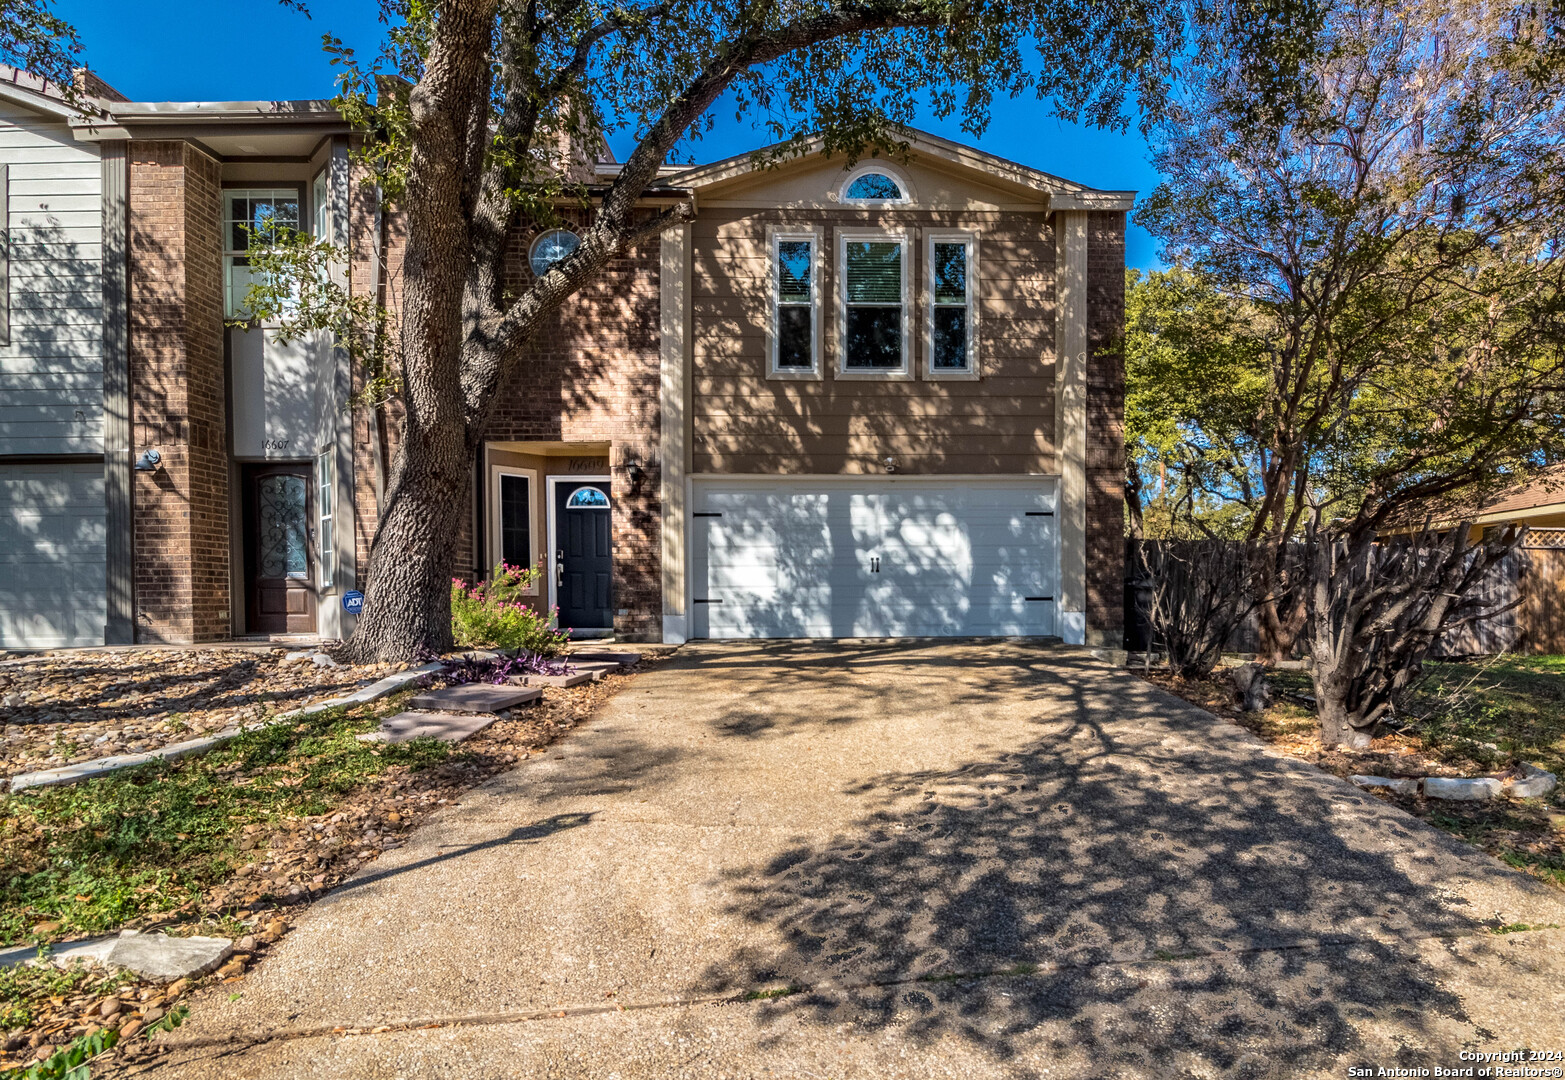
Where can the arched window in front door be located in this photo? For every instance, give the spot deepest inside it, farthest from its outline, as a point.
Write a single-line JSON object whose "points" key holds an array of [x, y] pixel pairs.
{"points": [[587, 498]]}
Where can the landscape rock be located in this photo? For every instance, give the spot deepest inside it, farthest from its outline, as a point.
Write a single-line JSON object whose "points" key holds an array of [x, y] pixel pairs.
{"points": [[164, 959], [1534, 784], [1462, 789], [1402, 785], [321, 660]]}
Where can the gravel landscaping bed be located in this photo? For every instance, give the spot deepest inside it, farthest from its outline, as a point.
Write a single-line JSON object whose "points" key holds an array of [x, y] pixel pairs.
{"points": [[68, 707], [231, 844]]}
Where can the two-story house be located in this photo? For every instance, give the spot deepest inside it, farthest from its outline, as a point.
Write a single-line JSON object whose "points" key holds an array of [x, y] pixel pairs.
{"points": [[844, 401]]}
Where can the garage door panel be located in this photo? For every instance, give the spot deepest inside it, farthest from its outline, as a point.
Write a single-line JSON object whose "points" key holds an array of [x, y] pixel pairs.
{"points": [[52, 555], [797, 557]]}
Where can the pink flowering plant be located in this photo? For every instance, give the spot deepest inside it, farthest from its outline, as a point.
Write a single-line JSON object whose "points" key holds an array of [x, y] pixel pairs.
{"points": [[493, 614]]}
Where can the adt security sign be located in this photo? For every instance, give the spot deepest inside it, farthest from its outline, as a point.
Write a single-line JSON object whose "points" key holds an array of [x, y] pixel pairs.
{"points": [[353, 602]]}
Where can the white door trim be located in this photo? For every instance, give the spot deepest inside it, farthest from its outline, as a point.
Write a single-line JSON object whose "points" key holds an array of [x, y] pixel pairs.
{"points": [[551, 484]]}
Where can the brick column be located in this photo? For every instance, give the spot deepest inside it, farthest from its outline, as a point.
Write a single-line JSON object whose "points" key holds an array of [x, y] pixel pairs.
{"points": [[1105, 429], [178, 393]]}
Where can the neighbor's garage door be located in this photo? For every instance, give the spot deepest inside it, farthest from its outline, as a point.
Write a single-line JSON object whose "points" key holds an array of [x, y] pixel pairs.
{"points": [[872, 557], [51, 555]]}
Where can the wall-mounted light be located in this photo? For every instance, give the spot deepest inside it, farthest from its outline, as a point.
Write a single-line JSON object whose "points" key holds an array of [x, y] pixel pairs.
{"points": [[891, 464], [636, 473], [148, 461]]}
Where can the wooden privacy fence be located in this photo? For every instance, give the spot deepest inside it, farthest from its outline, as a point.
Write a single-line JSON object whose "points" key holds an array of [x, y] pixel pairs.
{"points": [[1533, 574]]}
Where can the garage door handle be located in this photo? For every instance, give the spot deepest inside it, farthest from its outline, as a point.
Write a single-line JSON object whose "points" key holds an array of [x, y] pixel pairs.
{"points": [[1039, 598], [874, 564]]}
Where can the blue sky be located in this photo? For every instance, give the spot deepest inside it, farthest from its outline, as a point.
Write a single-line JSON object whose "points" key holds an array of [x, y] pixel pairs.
{"points": [[184, 50]]}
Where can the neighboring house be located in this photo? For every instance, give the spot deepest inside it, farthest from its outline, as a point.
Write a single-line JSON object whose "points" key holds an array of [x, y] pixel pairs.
{"points": [[1538, 504], [867, 401]]}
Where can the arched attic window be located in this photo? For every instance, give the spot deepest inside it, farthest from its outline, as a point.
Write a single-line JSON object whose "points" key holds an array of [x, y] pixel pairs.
{"points": [[875, 183]]}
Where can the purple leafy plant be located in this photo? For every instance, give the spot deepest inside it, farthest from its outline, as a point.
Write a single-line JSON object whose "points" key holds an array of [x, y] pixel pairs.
{"points": [[500, 670]]}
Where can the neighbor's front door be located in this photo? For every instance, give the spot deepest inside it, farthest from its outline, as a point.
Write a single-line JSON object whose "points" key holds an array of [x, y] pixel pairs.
{"points": [[279, 565], [584, 555]]}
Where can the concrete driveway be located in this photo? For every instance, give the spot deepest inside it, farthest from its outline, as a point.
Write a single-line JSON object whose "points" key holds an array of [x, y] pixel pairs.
{"points": [[965, 859]]}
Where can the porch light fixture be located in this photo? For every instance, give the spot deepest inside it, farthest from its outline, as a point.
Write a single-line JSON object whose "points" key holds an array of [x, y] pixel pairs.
{"points": [[149, 461], [635, 472]]}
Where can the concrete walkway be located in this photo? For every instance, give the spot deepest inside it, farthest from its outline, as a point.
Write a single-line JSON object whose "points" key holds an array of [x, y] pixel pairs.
{"points": [[971, 860]]}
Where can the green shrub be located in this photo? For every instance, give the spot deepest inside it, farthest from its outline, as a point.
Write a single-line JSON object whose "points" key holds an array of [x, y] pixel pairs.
{"points": [[493, 615]]}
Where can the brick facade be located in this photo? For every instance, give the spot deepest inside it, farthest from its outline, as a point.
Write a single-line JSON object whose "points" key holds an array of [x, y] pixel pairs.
{"points": [[1105, 429], [591, 376], [178, 395]]}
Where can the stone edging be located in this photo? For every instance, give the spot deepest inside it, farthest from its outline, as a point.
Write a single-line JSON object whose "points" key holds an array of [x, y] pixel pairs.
{"points": [[1537, 782], [86, 770]]}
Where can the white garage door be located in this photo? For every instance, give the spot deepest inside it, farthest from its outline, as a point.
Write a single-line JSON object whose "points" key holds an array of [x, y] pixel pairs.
{"points": [[872, 557], [52, 586]]}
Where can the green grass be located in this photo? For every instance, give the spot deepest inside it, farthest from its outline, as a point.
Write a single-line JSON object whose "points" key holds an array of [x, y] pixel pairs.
{"points": [[771, 995], [1522, 710], [95, 855]]}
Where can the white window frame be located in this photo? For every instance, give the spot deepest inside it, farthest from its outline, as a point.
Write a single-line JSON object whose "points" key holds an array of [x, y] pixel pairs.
{"points": [[900, 236], [231, 303], [951, 236], [325, 513], [320, 203], [774, 237], [496, 545], [876, 166]]}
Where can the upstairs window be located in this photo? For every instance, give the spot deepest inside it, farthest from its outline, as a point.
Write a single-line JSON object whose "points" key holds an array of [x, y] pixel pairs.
{"points": [[952, 333], [874, 184], [873, 303], [795, 330], [250, 217]]}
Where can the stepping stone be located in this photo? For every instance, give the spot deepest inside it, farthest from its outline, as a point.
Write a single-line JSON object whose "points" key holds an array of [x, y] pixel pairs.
{"points": [[475, 698], [624, 659], [445, 726], [575, 679], [596, 669]]}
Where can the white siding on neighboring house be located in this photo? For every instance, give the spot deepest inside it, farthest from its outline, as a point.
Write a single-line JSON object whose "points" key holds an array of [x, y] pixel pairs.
{"points": [[51, 370]]}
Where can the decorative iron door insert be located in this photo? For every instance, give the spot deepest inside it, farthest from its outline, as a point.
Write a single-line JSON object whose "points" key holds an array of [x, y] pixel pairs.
{"points": [[279, 556]]}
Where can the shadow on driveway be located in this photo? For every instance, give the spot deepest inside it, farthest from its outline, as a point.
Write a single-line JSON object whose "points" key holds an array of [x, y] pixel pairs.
{"points": [[1128, 882]]}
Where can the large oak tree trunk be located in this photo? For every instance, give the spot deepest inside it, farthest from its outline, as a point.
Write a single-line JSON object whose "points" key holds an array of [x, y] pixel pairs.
{"points": [[407, 604]]}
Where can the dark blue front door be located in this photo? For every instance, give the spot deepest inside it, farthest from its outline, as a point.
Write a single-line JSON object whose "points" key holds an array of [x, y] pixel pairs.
{"points": [[584, 555]]}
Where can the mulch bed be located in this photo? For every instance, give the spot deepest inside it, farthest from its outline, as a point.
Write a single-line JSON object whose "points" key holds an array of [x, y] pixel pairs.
{"points": [[68, 707], [288, 866]]}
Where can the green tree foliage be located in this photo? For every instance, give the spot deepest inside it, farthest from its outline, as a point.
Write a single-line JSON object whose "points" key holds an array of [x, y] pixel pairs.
{"points": [[36, 40], [1386, 226], [1196, 373]]}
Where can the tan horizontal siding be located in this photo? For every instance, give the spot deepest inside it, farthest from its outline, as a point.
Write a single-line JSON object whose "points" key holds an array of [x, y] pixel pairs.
{"points": [[742, 420]]}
